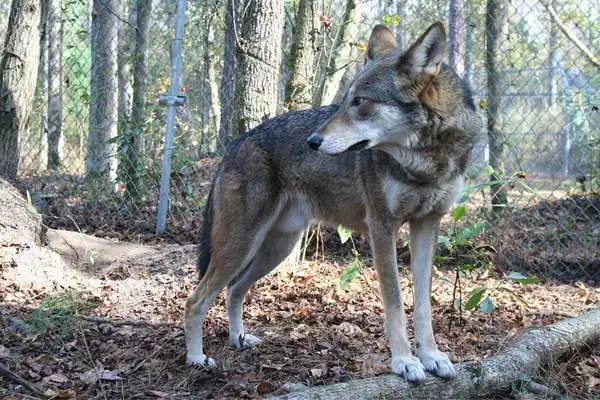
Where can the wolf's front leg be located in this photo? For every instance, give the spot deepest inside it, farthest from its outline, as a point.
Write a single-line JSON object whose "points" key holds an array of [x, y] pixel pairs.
{"points": [[423, 234], [384, 250]]}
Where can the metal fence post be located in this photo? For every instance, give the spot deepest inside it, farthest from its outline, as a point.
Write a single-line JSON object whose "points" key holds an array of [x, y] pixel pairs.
{"points": [[171, 101]]}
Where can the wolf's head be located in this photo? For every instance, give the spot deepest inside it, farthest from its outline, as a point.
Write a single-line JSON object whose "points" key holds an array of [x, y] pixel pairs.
{"points": [[392, 99]]}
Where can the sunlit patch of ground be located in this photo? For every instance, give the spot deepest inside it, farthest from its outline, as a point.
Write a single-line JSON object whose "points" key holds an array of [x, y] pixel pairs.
{"points": [[315, 332]]}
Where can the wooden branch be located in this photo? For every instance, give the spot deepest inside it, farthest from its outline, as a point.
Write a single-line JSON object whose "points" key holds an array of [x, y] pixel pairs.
{"points": [[21, 381], [496, 374], [121, 322], [578, 43]]}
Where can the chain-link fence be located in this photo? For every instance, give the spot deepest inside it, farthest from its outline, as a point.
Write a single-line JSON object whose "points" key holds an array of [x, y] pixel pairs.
{"points": [[546, 157]]}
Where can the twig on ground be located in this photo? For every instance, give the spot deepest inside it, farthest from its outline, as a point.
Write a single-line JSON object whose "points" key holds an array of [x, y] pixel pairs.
{"points": [[121, 322], [89, 354], [5, 372], [541, 390]]}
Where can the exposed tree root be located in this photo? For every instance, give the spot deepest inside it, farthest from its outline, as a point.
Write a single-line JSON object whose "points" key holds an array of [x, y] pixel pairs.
{"points": [[518, 362]]}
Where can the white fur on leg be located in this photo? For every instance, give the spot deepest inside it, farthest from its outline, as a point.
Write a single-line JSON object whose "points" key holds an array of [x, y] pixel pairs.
{"points": [[237, 337], [243, 341], [409, 367], [200, 360], [438, 363]]}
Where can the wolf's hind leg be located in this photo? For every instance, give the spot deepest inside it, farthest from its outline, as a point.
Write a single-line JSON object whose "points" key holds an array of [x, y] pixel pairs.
{"points": [[236, 236], [196, 307], [275, 248]]}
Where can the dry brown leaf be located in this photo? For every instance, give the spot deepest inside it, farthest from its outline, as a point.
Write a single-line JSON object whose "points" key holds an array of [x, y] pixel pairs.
{"points": [[58, 378]]}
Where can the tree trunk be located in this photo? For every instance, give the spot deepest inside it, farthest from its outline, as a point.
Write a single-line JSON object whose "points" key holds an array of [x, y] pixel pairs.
{"points": [[345, 81], [4, 11], [55, 83], [134, 145], [100, 162], [552, 56], [469, 26], [496, 18], [400, 27], [298, 91], [495, 375], [334, 69], [127, 32], [41, 92], [456, 29], [259, 59], [227, 88], [207, 116], [18, 69]]}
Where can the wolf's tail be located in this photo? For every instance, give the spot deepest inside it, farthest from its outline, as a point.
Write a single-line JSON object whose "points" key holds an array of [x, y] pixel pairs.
{"points": [[205, 246]]}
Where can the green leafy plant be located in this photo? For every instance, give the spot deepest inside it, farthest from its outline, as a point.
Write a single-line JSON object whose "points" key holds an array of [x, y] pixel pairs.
{"points": [[355, 267], [57, 314], [460, 236]]}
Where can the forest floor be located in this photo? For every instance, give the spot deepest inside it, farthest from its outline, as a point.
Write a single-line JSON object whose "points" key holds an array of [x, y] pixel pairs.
{"points": [[314, 331], [101, 316]]}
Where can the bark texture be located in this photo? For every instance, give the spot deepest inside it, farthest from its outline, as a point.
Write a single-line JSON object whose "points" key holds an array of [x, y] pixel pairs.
{"points": [[135, 143], [18, 70], [227, 87], [55, 82], [495, 375], [124, 58], [456, 37], [400, 27], [299, 88], [551, 57], [207, 115], [495, 21], [469, 26], [259, 58], [100, 162]]}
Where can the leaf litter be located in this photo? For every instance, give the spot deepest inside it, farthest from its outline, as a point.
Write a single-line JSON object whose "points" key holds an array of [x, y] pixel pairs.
{"points": [[314, 331]]}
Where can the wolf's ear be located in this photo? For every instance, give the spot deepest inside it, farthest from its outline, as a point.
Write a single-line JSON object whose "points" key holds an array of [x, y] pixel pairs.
{"points": [[381, 41], [426, 54]]}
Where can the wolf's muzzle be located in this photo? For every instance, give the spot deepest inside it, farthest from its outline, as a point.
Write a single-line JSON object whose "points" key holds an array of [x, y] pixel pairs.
{"points": [[314, 141]]}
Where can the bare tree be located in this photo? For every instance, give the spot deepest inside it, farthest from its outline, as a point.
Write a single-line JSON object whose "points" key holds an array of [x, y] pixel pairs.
{"points": [[227, 87], [456, 37], [335, 65], [18, 69], [100, 162], [207, 115], [55, 82], [259, 58], [469, 26], [298, 92], [495, 21], [400, 4], [127, 32], [41, 92], [134, 141], [552, 56]]}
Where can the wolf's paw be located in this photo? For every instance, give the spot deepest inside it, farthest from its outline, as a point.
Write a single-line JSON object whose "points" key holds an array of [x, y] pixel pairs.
{"points": [[200, 361], [244, 341], [438, 363], [409, 367]]}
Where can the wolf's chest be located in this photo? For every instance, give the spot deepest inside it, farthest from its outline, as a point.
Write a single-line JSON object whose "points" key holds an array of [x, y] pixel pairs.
{"points": [[408, 201]]}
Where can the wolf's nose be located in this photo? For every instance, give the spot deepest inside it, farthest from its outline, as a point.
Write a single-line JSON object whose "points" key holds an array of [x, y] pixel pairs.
{"points": [[314, 141]]}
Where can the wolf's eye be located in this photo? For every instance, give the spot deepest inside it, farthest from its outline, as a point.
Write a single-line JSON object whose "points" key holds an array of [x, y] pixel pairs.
{"points": [[357, 101]]}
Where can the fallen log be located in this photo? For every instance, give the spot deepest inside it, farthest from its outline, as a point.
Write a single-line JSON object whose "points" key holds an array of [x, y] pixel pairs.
{"points": [[517, 363]]}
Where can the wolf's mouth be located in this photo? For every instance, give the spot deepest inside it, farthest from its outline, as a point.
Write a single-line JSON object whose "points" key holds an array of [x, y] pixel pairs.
{"points": [[359, 146]]}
